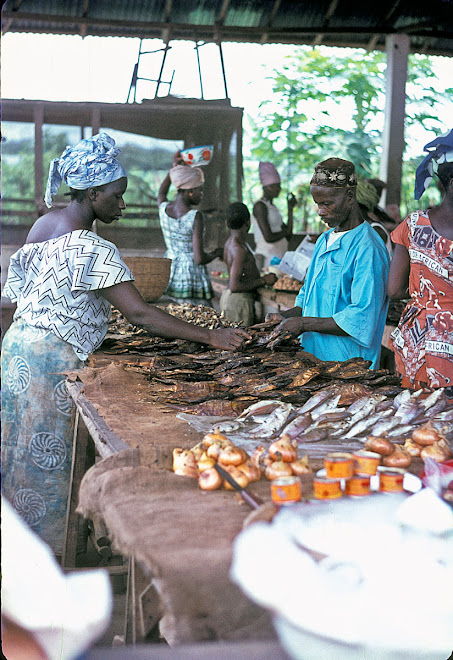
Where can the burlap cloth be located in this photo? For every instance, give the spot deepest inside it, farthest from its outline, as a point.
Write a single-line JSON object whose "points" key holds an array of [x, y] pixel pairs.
{"points": [[184, 537]]}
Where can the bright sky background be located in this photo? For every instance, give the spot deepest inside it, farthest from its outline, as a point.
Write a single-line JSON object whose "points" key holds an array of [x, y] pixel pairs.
{"points": [[69, 68]]}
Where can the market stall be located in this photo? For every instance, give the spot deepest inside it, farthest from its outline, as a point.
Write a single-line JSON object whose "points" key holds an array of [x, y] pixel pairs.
{"points": [[141, 398]]}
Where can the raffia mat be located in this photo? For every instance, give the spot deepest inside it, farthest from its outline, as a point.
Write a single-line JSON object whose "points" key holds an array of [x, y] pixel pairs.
{"points": [[121, 396], [184, 537]]}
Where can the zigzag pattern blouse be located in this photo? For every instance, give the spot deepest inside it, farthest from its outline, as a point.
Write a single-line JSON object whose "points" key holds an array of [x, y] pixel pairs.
{"points": [[57, 286]]}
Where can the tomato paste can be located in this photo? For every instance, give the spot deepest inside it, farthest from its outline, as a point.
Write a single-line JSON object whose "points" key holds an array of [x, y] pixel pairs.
{"points": [[286, 490], [358, 485], [391, 480], [339, 465], [366, 462], [327, 489]]}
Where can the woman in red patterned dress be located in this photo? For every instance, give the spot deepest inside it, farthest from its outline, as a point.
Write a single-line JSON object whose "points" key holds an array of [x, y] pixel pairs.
{"points": [[422, 268]]}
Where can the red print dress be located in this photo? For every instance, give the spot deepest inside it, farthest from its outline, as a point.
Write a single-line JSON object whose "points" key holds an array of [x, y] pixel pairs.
{"points": [[423, 340]]}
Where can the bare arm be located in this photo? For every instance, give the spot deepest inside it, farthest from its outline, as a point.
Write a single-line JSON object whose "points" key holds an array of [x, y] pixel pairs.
{"points": [[163, 190], [298, 325], [398, 281], [260, 213], [199, 255], [127, 299]]}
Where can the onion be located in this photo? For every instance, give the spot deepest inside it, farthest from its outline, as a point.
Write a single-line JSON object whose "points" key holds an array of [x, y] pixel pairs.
{"points": [[187, 471], [301, 466], [237, 475], [184, 458], [209, 479], [398, 458], [425, 435], [252, 472], [278, 469], [283, 450], [209, 438], [198, 450], [412, 448], [379, 444], [438, 452], [205, 462], [232, 456]]}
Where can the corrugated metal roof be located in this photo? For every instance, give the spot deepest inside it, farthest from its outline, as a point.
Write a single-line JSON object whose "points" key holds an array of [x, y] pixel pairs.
{"points": [[329, 22]]}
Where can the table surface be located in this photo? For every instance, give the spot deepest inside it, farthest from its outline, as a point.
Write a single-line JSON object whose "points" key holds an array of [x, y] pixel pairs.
{"points": [[182, 536]]}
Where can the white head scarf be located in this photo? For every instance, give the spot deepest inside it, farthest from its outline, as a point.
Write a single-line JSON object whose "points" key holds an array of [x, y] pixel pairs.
{"points": [[90, 163]]}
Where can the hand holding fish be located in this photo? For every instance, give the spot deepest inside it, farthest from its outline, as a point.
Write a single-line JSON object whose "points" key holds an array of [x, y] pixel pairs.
{"points": [[229, 339]]}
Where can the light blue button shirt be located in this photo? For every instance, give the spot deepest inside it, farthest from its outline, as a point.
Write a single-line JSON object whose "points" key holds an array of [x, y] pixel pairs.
{"points": [[347, 282]]}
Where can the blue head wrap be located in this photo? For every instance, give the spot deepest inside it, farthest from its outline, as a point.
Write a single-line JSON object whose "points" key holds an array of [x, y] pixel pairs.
{"points": [[440, 150], [90, 163]]}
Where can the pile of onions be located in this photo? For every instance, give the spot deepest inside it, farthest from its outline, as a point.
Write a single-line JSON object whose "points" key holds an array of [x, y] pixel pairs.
{"points": [[199, 462], [428, 441]]}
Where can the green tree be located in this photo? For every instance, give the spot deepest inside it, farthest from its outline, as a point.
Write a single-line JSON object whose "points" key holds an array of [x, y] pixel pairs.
{"points": [[325, 104]]}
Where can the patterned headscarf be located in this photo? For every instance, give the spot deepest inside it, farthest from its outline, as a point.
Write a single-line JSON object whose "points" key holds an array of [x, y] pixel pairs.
{"points": [[334, 173], [90, 163], [440, 150]]}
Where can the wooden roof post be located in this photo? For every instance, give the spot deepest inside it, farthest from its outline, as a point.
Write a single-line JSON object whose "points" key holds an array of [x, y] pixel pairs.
{"points": [[397, 46], [38, 118]]}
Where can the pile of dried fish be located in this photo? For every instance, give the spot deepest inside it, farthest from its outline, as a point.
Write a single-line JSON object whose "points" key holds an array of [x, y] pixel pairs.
{"points": [[321, 417]]}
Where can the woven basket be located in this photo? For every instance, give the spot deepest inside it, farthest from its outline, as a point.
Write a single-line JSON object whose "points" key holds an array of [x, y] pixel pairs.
{"points": [[151, 275]]}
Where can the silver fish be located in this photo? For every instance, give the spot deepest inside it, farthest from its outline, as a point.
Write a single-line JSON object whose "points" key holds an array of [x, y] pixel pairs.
{"points": [[408, 411], [273, 422], [446, 416], [314, 435], [366, 423], [260, 408], [328, 404], [336, 415], [226, 427], [402, 397], [360, 403], [297, 426], [433, 398], [406, 429], [384, 426], [316, 400], [365, 411]]}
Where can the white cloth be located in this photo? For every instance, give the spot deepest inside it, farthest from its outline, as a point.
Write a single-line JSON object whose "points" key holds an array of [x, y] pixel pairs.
{"points": [[269, 250], [65, 613], [56, 286]]}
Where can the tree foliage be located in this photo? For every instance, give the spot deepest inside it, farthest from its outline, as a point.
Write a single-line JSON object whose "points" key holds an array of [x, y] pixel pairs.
{"points": [[324, 105]]}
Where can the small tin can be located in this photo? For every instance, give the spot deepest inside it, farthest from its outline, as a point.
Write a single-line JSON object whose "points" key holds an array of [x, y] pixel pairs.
{"points": [[391, 480], [358, 485], [327, 489], [286, 490], [339, 465], [366, 462]]}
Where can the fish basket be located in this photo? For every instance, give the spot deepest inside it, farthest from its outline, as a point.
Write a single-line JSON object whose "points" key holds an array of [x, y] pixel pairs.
{"points": [[151, 275]]}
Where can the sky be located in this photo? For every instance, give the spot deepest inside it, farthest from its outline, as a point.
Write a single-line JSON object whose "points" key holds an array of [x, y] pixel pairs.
{"points": [[69, 68]]}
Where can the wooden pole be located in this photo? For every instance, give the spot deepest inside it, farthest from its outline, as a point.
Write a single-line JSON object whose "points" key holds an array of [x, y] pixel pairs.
{"points": [[38, 117]]}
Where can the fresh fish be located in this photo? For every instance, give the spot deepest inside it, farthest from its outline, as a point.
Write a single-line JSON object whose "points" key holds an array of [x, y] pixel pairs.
{"points": [[260, 408], [312, 435], [364, 412], [316, 400], [366, 423], [297, 426], [433, 398], [360, 403], [384, 426], [446, 416], [437, 408], [404, 430], [328, 404], [402, 397], [273, 422], [383, 405], [226, 427], [337, 415], [408, 411]]}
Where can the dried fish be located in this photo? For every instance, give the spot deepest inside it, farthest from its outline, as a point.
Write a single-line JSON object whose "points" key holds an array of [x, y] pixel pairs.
{"points": [[337, 415], [273, 422], [226, 427], [260, 408], [433, 398], [408, 411], [312, 435], [316, 400], [326, 405]]}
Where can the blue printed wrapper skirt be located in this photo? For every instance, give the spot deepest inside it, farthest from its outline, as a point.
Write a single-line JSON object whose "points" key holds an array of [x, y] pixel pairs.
{"points": [[37, 428]]}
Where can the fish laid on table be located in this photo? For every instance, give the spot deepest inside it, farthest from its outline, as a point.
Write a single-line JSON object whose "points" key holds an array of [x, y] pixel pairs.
{"points": [[366, 423], [274, 422], [328, 404], [316, 400], [297, 426], [313, 435], [260, 409]]}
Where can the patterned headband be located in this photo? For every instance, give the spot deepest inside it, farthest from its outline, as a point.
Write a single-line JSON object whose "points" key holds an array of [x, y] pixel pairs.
{"points": [[334, 173]]}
